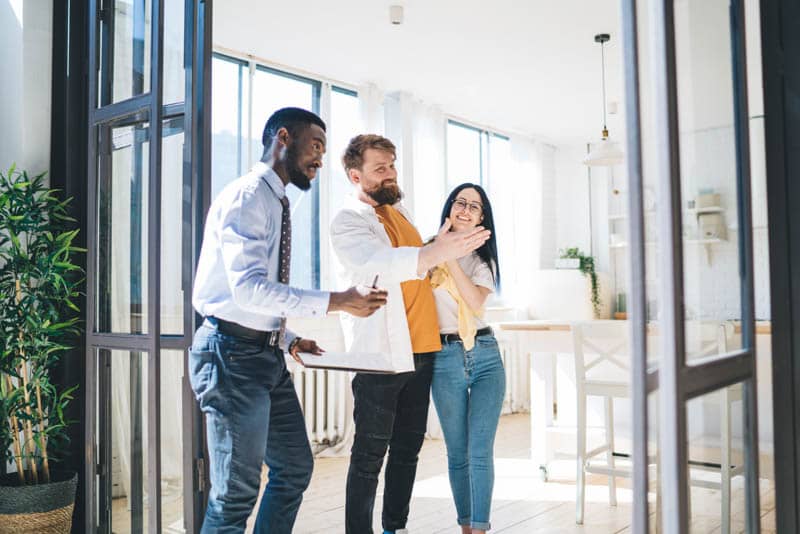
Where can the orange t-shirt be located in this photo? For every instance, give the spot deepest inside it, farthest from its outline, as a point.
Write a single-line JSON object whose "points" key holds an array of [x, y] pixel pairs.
{"points": [[423, 324]]}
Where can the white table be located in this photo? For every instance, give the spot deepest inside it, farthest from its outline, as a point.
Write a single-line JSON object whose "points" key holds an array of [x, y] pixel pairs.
{"points": [[543, 339]]}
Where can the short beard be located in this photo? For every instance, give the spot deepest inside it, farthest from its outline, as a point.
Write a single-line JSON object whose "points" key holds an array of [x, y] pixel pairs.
{"points": [[296, 176], [384, 195]]}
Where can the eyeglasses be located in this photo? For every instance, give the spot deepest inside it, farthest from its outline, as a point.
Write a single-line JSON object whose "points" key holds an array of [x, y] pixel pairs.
{"points": [[475, 208]]}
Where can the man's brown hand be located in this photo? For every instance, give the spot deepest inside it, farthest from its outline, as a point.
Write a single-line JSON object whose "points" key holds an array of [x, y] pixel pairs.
{"points": [[305, 345], [359, 301]]}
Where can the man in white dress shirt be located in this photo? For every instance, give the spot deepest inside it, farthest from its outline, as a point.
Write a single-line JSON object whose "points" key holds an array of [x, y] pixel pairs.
{"points": [[237, 365]]}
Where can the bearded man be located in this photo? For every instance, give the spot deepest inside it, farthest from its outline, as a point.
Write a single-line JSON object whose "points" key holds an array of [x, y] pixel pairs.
{"points": [[373, 236]]}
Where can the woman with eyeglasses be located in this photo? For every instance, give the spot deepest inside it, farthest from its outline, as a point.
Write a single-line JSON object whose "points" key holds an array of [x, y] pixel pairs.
{"points": [[468, 377]]}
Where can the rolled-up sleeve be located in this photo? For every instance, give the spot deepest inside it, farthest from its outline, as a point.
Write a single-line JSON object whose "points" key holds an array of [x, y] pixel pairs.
{"points": [[244, 241], [360, 250]]}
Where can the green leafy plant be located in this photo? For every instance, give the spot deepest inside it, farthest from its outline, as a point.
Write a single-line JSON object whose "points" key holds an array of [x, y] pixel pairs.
{"points": [[587, 268], [39, 286]]}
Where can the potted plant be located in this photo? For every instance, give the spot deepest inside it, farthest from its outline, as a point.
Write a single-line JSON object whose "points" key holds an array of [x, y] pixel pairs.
{"points": [[39, 284], [586, 266]]}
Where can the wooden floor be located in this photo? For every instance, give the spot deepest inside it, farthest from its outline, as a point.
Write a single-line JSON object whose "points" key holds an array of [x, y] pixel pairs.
{"points": [[522, 504]]}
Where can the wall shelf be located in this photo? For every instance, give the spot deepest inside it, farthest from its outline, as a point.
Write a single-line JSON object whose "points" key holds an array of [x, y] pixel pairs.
{"points": [[624, 216], [707, 209]]}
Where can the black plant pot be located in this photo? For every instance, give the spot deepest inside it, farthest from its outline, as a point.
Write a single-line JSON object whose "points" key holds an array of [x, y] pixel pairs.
{"points": [[41, 508]]}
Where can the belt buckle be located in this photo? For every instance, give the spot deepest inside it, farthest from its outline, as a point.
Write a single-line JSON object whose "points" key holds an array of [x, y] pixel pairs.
{"points": [[451, 338], [274, 335]]}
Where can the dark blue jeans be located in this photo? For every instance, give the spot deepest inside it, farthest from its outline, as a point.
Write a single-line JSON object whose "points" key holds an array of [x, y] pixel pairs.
{"points": [[252, 417], [391, 412]]}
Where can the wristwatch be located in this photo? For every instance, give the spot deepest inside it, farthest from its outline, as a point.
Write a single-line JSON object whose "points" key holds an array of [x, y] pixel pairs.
{"points": [[292, 345]]}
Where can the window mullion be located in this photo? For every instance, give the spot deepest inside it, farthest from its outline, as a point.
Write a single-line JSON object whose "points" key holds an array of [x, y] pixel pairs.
{"points": [[325, 186], [251, 74]]}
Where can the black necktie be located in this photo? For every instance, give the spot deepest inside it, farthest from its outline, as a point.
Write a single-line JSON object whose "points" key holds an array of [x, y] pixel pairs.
{"points": [[284, 253]]}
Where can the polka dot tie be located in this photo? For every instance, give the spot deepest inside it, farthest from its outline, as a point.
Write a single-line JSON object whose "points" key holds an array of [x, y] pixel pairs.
{"points": [[284, 253]]}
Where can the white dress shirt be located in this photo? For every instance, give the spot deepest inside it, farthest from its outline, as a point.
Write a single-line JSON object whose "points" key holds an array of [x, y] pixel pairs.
{"points": [[237, 274], [363, 249]]}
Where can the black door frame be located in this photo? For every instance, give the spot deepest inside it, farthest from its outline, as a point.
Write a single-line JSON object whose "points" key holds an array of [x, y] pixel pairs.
{"points": [[197, 166], [780, 50], [68, 173], [676, 381]]}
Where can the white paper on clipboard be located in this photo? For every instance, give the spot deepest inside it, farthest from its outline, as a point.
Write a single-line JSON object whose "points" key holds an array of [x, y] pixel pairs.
{"points": [[360, 362]]}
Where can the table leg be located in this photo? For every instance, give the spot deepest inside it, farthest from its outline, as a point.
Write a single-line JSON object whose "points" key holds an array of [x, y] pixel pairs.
{"points": [[541, 408]]}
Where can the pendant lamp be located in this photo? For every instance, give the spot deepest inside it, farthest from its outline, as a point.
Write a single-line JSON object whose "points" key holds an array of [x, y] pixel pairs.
{"points": [[604, 153]]}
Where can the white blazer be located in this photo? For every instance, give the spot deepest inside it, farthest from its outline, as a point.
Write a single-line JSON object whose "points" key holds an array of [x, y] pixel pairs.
{"points": [[364, 250]]}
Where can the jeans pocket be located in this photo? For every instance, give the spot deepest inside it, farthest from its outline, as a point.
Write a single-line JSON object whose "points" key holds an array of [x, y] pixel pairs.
{"points": [[238, 348], [203, 376], [488, 342]]}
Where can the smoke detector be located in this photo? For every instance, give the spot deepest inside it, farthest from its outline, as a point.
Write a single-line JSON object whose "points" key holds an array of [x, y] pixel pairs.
{"points": [[396, 15]]}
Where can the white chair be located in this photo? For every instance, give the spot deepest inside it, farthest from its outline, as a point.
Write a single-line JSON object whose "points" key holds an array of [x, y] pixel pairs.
{"points": [[703, 339], [602, 369]]}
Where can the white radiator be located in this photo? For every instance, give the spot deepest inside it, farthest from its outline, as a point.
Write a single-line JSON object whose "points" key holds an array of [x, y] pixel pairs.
{"points": [[322, 396]]}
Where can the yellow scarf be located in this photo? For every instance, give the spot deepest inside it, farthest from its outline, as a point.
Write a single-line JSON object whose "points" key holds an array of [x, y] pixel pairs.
{"points": [[466, 316]]}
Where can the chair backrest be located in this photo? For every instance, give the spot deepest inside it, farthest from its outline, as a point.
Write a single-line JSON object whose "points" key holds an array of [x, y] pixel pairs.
{"points": [[706, 338], [602, 351]]}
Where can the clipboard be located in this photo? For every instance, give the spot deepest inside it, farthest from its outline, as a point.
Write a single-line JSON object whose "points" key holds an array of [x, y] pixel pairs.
{"points": [[359, 362]]}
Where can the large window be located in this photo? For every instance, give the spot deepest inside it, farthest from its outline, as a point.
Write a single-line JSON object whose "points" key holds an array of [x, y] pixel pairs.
{"points": [[475, 155], [244, 95]]}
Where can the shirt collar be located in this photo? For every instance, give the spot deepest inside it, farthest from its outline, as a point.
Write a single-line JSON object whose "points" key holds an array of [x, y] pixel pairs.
{"points": [[354, 203], [271, 177]]}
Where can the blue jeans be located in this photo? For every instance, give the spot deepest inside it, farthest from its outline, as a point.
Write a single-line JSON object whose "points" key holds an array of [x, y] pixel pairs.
{"points": [[468, 389], [390, 412], [253, 417]]}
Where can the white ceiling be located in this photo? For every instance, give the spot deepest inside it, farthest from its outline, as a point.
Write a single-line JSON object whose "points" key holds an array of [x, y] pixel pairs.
{"points": [[527, 66]]}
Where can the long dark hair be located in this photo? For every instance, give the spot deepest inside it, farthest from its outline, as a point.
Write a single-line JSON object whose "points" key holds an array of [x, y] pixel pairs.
{"points": [[488, 251]]}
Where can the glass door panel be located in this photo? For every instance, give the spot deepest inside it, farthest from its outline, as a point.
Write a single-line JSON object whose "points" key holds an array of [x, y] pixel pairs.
{"points": [[172, 440], [174, 74], [707, 140], [714, 441], [122, 441], [122, 235], [172, 216], [132, 42]]}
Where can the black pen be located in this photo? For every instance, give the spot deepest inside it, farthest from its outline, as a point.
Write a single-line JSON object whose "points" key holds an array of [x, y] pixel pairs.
{"points": [[375, 282]]}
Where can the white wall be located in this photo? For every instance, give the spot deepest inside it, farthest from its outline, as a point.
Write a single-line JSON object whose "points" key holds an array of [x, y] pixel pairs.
{"points": [[25, 91]]}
